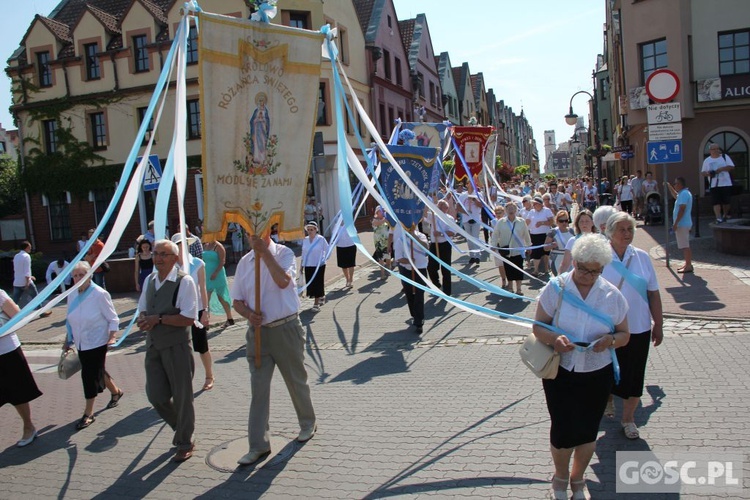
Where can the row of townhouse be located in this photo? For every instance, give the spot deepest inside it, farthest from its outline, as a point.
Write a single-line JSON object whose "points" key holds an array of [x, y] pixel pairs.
{"points": [[707, 45], [85, 74]]}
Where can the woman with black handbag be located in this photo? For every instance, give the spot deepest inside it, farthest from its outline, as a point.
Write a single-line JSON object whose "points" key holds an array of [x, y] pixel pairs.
{"points": [[92, 323]]}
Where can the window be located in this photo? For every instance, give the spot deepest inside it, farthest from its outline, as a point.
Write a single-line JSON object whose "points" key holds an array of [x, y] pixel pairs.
{"points": [[322, 101], [604, 89], [433, 95], [346, 115], [49, 130], [420, 84], [383, 129], [59, 216], [98, 130], [140, 54], [194, 119], [343, 46], [91, 56], [387, 64], [150, 129], [653, 57], [605, 129], [734, 53], [299, 20], [399, 78], [102, 198], [391, 120], [45, 72], [390, 22], [192, 46]]}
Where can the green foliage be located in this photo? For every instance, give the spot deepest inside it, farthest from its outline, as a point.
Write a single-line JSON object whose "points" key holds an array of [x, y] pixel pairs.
{"points": [[594, 152], [448, 166], [522, 170], [70, 168], [549, 177], [11, 194]]}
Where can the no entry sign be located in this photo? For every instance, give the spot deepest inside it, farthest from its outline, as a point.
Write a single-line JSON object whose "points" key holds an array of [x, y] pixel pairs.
{"points": [[662, 85]]}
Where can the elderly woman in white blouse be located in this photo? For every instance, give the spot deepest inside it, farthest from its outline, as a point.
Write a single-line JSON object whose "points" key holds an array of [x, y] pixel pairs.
{"points": [[576, 398], [92, 323]]}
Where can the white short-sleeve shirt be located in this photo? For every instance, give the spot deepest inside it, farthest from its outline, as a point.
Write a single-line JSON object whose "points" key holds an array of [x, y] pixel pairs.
{"points": [[187, 301], [9, 342], [639, 314], [580, 326]]}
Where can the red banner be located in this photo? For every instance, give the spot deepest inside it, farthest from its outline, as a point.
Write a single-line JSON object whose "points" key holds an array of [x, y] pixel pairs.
{"points": [[472, 142]]}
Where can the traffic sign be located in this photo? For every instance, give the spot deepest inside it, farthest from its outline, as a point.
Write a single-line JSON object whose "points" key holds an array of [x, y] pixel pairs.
{"points": [[664, 152], [664, 113], [152, 174], [626, 155], [662, 85], [623, 149], [665, 132]]}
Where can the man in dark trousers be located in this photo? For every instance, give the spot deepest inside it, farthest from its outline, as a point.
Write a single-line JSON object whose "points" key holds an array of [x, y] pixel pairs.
{"points": [[169, 306], [282, 340], [405, 248]]}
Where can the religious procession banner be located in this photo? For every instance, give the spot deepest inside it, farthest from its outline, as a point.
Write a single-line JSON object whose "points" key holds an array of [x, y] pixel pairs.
{"points": [[472, 142], [418, 163], [433, 135], [259, 85]]}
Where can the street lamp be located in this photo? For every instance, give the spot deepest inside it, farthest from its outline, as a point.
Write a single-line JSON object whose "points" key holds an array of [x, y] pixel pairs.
{"points": [[571, 119]]}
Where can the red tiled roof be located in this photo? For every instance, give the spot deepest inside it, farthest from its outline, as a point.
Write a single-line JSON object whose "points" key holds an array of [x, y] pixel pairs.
{"points": [[406, 28], [364, 12], [60, 30], [108, 20], [155, 10]]}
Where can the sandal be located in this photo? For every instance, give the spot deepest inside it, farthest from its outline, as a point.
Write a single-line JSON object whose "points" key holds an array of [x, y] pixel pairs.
{"points": [[559, 489], [115, 400], [229, 322], [85, 421], [630, 430], [609, 411], [580, 490], [684, 270], [208, 384]]}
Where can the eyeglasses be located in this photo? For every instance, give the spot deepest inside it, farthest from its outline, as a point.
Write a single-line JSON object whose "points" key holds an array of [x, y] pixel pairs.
{"points": [[563, 220], [78, 275], [589, 272], [162, 254]]}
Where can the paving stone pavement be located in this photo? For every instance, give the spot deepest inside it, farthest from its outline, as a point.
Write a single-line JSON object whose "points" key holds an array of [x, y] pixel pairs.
{"points": [[451, 413]]}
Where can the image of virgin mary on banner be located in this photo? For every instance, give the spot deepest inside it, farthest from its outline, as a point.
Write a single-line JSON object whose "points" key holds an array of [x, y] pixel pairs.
{"points": [[418, 163], [472, 143], [259, 87], [432, 135]]}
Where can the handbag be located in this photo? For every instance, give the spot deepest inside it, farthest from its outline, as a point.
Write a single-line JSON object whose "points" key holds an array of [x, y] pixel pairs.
{"points": [[69, 364], [541, 359]]}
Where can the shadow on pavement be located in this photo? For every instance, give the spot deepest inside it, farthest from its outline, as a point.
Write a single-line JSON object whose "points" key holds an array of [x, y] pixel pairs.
{"points": [[395, 486], [694, 295]]}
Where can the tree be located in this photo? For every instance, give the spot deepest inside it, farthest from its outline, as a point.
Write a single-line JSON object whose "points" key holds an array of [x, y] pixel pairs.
{"points": [[504, 171], [11, 193]]}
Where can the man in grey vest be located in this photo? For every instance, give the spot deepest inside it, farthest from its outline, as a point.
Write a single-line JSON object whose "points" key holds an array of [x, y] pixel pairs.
{"points": [[169, 306], [282, 340]]}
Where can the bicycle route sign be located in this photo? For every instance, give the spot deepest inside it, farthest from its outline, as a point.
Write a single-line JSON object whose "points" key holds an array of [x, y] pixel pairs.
{"points": [[664, 113]]}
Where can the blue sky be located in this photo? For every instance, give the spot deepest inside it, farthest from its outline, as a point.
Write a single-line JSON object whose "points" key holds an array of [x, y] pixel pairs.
{"points": [[534, 53]]}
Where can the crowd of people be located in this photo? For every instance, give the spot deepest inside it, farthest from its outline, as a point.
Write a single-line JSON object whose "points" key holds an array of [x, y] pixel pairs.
{"points": [[560, 232]]}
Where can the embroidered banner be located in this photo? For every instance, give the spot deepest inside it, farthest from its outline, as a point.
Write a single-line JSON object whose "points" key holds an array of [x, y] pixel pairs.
{"points": [[472, 142], [259, 86], [433, 135], [418, 163]]}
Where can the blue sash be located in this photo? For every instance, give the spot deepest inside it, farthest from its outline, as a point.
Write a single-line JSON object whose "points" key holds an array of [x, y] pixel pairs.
{"points": [[579, 303], [304, 264], [638, 283], [72, 307]]}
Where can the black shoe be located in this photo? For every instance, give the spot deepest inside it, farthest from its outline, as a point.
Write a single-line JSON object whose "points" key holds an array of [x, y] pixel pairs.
{"points": [[418, 328]]}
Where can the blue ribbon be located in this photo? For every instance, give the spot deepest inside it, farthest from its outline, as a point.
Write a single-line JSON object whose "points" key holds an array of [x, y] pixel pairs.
{"points": [[579, 303], [638, 283]]}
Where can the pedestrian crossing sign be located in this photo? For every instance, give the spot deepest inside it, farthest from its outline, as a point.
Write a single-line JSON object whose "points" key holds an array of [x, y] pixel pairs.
{"points": [[152, 175]]}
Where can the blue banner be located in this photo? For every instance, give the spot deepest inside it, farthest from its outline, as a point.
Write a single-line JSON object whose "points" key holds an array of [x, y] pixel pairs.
{"points": [[418, 163], [433, 135]]}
